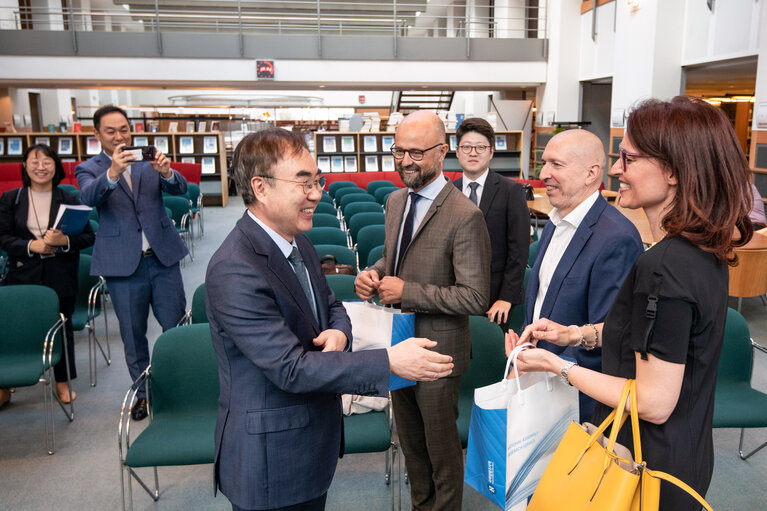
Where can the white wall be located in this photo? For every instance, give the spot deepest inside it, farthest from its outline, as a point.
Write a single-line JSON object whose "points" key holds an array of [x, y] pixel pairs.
{"points": [[760, 95], [732, 30], [597, 55]]}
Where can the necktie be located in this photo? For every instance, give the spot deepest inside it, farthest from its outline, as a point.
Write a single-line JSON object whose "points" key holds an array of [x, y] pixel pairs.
{"points": [[407, 229], [298, 266], [473, 193], [127, 177]]}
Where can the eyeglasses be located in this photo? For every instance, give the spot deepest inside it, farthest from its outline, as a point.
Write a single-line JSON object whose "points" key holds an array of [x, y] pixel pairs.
{"points": [[415, 154], [466, 149], [48, 164], [625, 155], [307, 185]]}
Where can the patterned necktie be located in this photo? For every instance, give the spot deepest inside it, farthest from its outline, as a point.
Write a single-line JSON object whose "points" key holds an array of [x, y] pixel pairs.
{"points": [[298, 266], [407, 229], [473, 193]]}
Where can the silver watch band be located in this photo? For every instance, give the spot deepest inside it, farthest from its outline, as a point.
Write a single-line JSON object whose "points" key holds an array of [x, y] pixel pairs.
{"points": [[566, 371]]}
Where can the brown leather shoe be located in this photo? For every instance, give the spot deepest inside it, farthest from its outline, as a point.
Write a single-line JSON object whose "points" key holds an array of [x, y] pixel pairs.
{"points": [[139, 411]]}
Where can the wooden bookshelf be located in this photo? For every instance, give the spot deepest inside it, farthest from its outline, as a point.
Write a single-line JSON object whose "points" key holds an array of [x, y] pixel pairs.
{"points": [[616, 137]]}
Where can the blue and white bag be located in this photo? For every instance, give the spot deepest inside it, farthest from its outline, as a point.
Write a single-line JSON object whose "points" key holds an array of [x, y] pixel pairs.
{"points": [[516, 425], [375, 326]]}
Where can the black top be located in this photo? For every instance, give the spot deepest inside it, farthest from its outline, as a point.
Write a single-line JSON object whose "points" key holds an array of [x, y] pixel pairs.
{"points": [[692, 289]]}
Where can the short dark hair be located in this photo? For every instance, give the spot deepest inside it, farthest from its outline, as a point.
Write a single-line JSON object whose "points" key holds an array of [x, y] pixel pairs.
{"points": [[258, 153], [47, 151], [697, 143], [478, 125], [104, 110]]}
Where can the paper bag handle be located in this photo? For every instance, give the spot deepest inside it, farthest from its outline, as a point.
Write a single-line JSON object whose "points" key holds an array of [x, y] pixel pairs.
{"points": [[513, 361]]}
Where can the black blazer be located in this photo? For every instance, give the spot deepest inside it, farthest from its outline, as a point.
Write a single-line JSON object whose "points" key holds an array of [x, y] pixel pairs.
{"points": [[58, 272], [504, 206]]}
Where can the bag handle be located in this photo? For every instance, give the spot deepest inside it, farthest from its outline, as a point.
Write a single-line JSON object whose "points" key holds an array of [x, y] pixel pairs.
{"points": [[513, 361], [680, 484]]}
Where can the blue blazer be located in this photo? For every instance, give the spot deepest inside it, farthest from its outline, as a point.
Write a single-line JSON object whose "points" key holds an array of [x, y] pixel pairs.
{"points": [[587, 279], [279, 426], [123, 215]]}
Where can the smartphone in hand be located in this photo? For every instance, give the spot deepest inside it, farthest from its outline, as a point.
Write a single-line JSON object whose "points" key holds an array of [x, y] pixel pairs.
{"points": [[146, 153]]}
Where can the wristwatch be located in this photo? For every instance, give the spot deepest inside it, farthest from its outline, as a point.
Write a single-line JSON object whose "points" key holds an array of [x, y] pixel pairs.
{"points": [[565, 371]]}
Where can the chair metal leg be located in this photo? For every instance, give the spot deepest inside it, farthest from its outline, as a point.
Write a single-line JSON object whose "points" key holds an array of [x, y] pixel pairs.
{"points": [[740, 447], [50, 433]]}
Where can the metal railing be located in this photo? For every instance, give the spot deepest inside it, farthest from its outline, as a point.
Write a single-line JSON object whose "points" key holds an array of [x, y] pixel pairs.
{"points": [[518, 19]]}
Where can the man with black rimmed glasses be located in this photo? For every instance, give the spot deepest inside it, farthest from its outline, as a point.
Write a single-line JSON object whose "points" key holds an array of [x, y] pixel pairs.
{"points": [[436, 263], [283, 341], [504, 207]]}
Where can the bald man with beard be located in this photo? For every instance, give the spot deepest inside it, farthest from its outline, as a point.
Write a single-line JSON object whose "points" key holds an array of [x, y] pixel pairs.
{"points": [[585, 251], [435, 263]]}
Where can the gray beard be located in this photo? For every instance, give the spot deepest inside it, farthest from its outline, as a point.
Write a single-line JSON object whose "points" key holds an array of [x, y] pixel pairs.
{"points": [[420, 179]]}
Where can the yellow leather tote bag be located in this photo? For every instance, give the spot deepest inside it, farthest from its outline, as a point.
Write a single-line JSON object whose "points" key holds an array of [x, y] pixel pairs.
{"points": [[594, 473]]}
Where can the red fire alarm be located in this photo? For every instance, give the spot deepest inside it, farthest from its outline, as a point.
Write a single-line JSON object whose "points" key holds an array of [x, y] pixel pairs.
{"points": [[362, 99]]}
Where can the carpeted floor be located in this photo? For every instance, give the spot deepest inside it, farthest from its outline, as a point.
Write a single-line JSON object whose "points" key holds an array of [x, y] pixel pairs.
{"points": [[84, 473]]}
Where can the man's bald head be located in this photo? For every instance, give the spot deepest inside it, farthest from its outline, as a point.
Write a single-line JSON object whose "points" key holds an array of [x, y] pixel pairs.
{"points": [[583, 145], [426, 122], [422, 132]]}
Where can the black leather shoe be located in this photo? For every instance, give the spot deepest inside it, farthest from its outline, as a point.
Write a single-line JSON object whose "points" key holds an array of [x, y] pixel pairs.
{"points": [[139, 410]]}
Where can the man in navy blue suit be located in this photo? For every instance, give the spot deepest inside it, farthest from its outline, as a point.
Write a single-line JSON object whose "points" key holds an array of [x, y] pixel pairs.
{"points": [[283, 341], [137, 247], [585, 250]]}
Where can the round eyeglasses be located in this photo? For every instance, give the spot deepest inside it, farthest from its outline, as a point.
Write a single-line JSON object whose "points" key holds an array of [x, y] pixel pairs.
{"points": [[307, 185], [466, 149], [415, 154]]}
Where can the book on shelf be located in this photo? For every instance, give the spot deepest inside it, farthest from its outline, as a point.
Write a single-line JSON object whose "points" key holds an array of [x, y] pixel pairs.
{"points": [[215, 125], [2, 146], [185, 145], [63, 126], [500, 142], [387, 163], [77, 127], [51, 128], [453, 142], [337, 164], [387, 141], [43, 140], [92, 146], [394, 120], [139, 141], [65, 145], [15, 147], [370, 143], [350, 164], [138, 126], [190, 126], [347, 144], [161, 143], [154, 126], [344, 124], [210, 145], [72, 218], [201, 126], [323, 163], [371, 163], [329, 144], [187, 159], [208, 165], [173, 127]]}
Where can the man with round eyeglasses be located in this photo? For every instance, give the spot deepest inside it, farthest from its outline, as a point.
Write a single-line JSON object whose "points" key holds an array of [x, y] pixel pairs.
{"points": [[504, 207]]}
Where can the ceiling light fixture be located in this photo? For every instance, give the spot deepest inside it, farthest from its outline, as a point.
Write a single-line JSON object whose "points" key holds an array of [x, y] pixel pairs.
{"points": [[633, 5]]}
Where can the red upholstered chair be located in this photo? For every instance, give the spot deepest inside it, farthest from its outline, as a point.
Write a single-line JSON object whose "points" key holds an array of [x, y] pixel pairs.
{"points": [[10, 176], [69, 173], [191, 171]]}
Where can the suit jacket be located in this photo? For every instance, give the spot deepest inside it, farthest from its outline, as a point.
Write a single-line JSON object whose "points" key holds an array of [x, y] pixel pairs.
{"points": [[586, 280], [59, 272], [124, 214], [446, 269], [504, 207], [279, 427]]}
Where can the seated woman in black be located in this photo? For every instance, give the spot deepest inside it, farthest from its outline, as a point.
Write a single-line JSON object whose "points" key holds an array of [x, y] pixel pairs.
{"points": [[682, 163], [38, 254]]}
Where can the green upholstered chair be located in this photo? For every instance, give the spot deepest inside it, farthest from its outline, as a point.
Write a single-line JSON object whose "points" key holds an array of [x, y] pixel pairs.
{"points": [[374, 255], [326, 236], [385, 197], [360, 207], [344, 255], [181, 214], [325, 220], [355, 197], [737, 404], [326, 208], [375, 185], [337, 185], [343, 192], [71, 189], [532, 251], [342, 286], [361, 220], [196, 313], [94, 214], [89, 303], [31, 341], [368, 238], [371, 432], [518, 312], [183, 401], [326, 198], [488, 361], [194, 195], [382, 194]]}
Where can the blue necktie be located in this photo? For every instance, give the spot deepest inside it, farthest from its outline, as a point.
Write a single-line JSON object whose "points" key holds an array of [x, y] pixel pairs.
{"points": [[473, 193], [407, 229], [298, 266]]}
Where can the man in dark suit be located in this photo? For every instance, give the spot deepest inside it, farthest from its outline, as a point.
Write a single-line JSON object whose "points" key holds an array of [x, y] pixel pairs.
{"points": [[283, 341], [585, 251], [436, 263], [137, 247], [504, 207]]}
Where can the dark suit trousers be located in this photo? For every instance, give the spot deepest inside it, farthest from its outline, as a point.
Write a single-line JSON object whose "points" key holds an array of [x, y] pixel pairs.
{"points": [[317, 504], [155, 284], [67, 307], [426, 415]]}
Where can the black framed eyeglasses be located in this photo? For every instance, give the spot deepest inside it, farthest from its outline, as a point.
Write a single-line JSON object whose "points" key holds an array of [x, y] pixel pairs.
{"points": [[307, 185], [466, 149], [625, 155], [415, 154]]}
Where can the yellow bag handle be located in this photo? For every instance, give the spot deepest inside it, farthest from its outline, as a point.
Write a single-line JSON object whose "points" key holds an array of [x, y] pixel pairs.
{"points": [[681, 484]]}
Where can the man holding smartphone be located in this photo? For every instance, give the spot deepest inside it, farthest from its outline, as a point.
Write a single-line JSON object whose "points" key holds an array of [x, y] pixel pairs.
{"points": [[137, 247]]}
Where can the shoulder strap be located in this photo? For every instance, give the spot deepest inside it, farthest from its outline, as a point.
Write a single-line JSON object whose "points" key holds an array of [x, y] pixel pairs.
{"points": [[18, 196], [681, 484], [652, 302]]}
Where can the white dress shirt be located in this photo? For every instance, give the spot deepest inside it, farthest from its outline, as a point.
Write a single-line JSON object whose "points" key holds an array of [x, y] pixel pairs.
{"points": [[564, 231], [480, 181]]}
